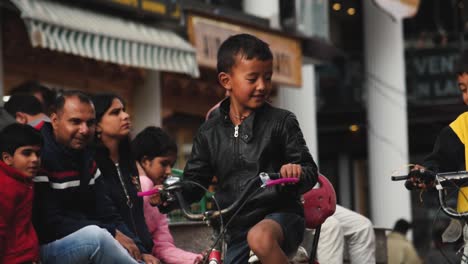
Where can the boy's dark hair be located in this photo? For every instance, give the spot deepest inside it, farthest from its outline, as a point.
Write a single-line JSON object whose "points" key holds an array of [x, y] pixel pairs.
{"points": [[28, 104], [60, 101], [32, 87], [17, 135], [402, 226], [152, 142], [248, 46], [461, 65]]}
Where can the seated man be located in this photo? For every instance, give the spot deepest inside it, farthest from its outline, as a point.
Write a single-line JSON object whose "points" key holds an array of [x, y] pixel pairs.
{"points": [[399, 249], [68, 189], [349, 230]]}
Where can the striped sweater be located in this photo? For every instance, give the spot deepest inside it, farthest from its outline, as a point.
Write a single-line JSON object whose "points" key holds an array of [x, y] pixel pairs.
{"points": [[67, 191]]}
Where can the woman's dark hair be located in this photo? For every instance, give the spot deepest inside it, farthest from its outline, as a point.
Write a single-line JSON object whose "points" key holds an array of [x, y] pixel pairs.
{"points": [[102, 103], [16, 135], [152, 142]]}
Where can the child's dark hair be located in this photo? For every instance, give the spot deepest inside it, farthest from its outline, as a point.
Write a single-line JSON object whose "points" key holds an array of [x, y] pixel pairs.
{"points": [[461, 65], [31, 87], [16, 135], [152, 142], [28, 104], [250, 47]]}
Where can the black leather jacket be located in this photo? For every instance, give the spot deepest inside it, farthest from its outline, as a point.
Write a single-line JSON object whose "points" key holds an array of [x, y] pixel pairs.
{"points": [[266, 140]]}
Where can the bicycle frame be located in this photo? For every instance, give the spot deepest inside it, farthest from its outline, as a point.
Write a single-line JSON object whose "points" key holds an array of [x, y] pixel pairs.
{"points": [[172, 190], [442, 180], [319, 203]]}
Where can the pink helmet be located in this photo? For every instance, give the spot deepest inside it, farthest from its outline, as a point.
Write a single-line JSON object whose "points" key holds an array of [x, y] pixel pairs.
{"points": [[319, 203]]}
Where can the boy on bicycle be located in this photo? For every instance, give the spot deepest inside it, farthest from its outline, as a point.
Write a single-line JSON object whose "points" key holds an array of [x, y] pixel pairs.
{"points": [[247, 137], [450, 153]]}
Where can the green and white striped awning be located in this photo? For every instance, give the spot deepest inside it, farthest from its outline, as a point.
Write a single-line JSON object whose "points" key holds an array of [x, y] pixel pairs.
{"points": [[102, 37]]}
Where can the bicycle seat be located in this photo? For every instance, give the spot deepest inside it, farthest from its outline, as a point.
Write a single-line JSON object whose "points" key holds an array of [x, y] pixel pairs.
{"points": [[319, 203]]}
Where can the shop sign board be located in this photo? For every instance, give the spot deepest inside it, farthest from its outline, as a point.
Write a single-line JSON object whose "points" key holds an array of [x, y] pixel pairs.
{"points": [[207, 34], [431, 76], [399, 9], [162, 8]]}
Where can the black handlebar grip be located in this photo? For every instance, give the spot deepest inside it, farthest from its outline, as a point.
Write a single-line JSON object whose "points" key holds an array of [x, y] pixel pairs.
{"points": [[274, 175], [400, 178]]}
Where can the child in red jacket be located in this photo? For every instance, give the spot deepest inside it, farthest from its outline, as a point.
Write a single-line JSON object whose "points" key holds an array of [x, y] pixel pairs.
{"points": [[20, 161]]}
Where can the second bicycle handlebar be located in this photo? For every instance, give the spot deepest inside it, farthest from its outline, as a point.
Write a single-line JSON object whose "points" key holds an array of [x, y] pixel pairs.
{"points": [[442, 181]]}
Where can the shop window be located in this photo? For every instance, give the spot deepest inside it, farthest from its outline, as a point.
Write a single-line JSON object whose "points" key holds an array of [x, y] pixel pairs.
{"points": [[309, 18]]}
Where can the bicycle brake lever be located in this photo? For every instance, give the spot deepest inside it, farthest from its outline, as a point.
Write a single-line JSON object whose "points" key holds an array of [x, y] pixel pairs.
{"points": [[264, 177]]}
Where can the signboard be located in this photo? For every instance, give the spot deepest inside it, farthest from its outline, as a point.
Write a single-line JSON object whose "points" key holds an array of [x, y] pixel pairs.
{"points": [[399, 8], [208, 34], [431, 77], [151, 7]]}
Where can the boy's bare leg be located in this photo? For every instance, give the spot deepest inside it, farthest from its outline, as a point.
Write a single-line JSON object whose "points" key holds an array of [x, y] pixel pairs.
{"points": [[264, 240]]}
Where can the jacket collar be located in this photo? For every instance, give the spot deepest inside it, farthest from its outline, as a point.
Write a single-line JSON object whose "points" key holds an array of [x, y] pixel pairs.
{"points": [[247, 126], [14, 173]]}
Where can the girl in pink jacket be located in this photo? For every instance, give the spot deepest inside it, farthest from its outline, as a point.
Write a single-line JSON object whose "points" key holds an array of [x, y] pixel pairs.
{"points": [[155, 153]]}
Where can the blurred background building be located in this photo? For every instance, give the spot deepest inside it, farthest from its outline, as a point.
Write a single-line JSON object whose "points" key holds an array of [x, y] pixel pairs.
{"points": [[371, 91]]}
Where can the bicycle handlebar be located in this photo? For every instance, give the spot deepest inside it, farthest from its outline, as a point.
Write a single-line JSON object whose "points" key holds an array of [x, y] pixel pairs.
{"points": [[267, 179], [281, 181], [147, 193], [400, 178], [442, 181]]}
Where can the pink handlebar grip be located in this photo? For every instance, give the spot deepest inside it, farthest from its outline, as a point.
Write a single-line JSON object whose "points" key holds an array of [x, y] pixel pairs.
{"points": [[281, 181], [148, 193]]}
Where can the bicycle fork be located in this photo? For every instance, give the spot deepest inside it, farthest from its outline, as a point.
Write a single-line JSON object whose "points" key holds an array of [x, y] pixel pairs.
{"points": [[215, 257], [465, 244]]}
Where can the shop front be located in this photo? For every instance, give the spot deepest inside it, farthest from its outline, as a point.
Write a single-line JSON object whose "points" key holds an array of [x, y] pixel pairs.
{"points": [[68, 47]]}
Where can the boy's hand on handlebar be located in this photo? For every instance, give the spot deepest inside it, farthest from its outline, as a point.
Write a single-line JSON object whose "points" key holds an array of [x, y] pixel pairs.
{"points": [[419, 179], [291, 170]]}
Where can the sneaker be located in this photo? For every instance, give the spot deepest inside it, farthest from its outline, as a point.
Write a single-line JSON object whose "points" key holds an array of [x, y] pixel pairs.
{"points": [[253, 258]]}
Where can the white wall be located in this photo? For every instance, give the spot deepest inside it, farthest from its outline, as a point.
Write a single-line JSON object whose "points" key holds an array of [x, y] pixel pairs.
{"points": [[301, 101], [147, 103], [387, 115]]}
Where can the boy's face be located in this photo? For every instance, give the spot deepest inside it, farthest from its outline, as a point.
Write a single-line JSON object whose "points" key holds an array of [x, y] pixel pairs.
{"points": [[462, 80], [26, 159], [159, 168], [248, 82]]}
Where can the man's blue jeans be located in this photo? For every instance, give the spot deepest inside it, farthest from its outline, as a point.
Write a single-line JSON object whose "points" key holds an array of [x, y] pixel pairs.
{"points": [[90, 244]]}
